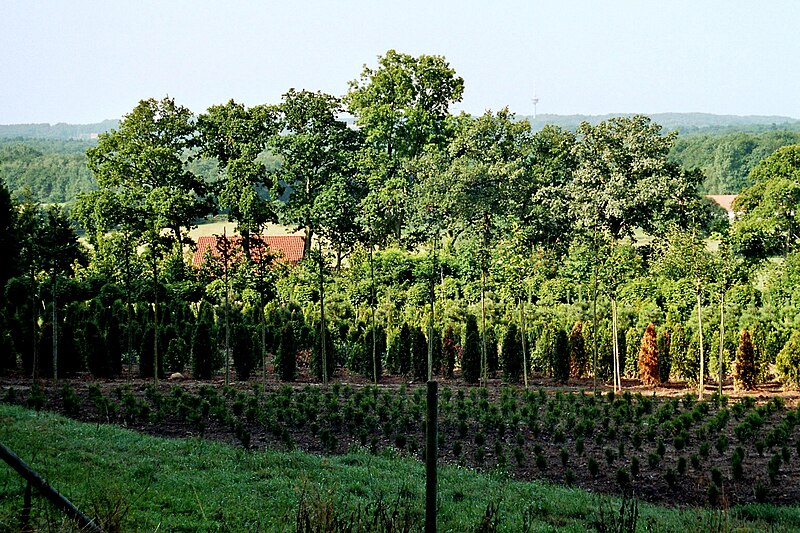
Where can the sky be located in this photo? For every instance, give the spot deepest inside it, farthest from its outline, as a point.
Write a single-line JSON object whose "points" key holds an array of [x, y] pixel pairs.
{"points": [[82, 61]]}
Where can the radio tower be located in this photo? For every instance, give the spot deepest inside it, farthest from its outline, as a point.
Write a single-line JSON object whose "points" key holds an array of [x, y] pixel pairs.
{"points": [[535, 100]]}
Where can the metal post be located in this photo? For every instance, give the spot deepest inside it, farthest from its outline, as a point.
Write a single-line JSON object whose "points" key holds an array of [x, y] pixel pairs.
{"points": [[431, 456]]}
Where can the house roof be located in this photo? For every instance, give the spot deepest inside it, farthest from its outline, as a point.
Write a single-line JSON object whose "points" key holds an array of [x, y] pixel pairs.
{"points": [[289, 248], [724, 200]]}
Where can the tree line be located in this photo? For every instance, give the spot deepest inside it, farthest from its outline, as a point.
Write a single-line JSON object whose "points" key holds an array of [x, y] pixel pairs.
{"points": [[434, 243]]}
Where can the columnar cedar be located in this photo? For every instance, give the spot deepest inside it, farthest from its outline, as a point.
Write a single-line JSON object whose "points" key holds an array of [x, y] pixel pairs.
{"points": [[492, 356], [744, 376], [664, 355], [471, 358], [202, 347], [577, 351], [243, 351], [419, 354], [403, 340], [287, 354], [373, 368], [512, 355], [648, 357], [437, 351], [631, 353], [176, 354], [316, 353], [449, 351], [560, 355], [788, 362], [146, 353]]}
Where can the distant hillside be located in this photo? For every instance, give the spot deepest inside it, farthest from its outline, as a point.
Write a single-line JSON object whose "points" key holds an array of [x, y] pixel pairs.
{"points": [[49, 160], [685, 123], [58, 131]]}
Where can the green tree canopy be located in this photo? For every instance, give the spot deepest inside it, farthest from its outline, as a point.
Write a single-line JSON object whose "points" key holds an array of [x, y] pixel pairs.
{"points": [[767, 213]]}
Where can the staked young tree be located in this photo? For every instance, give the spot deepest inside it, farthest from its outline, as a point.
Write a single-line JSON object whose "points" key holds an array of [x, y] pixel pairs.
{"points": [[487, 160], [685, 256], [145, 187]]}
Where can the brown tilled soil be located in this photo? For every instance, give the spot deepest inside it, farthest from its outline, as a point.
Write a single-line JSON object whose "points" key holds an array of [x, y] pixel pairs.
{"points": [[650, 485]]}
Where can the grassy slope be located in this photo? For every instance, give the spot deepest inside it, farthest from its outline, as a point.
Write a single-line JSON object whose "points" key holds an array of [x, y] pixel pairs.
{"points": [[195, 485]]}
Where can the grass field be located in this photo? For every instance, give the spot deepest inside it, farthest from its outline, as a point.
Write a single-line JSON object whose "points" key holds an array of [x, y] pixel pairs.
{"points": [[139, 483], [217, 226]]}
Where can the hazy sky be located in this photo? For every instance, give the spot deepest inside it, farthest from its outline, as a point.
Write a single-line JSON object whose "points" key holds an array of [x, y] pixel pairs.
{"points": [[79, 61]]}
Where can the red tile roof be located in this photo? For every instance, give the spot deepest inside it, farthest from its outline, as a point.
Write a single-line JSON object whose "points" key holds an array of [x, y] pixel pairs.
{"points": [[724, 200], [289, 248]]}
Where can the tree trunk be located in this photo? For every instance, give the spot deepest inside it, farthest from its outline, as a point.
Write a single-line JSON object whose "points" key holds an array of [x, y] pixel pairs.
{"points": [[721, 340], [372, 309], [700, 333], [155, 319], [322, 319], [55, 328], [524, 335], [615, 344]]}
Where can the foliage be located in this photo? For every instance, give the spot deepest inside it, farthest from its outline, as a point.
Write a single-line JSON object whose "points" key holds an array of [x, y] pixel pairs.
{"points": [[286, 358], [512, 354], [648, 357], [471, 356], [787, 364], [578, 359], [744, 377], [768, 211]]}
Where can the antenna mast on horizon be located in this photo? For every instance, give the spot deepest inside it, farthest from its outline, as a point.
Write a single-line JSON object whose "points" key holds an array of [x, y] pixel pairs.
{"points": [[535, 100]]}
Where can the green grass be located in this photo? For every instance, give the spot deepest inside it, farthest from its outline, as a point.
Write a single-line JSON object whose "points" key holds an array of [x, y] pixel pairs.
{"points": [[195, 485]]}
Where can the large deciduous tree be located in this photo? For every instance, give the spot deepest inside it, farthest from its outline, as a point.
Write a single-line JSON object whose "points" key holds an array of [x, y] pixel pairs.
{"points": [[317, 151], [402, 107], [235, 136], [766, 223]]}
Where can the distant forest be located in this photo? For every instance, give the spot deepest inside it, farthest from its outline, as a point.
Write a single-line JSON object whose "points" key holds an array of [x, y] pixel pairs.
{"points": [[47, 163]]}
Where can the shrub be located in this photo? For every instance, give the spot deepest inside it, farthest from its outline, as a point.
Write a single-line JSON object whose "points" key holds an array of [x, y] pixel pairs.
{"points": [[787, 363], [287, 354], [594, 467], [449, 351], [648, 357], [560, 356], [419, 354], [492, 355], [330, 354], [471, 358], [744, 376], [737, 459], [176, 355], [664, 355], [202, 351], [577, 351], [512, 355], [631, 353]]}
